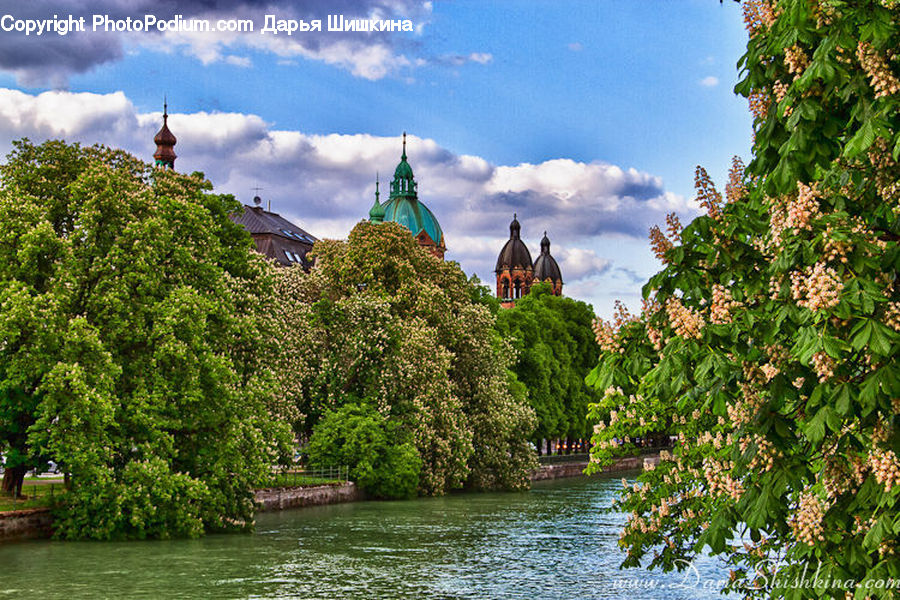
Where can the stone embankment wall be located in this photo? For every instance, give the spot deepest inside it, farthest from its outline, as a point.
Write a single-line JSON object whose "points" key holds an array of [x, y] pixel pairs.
{"points": [[281, 498], [576, 469], [25, 524]]}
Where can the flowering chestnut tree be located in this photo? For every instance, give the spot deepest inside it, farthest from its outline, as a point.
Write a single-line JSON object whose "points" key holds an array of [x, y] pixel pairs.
{"points": [[380, 321], [768, 343], [133, 333]]}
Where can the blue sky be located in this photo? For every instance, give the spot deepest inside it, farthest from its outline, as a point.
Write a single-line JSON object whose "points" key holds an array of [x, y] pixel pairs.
{"points": [[586, 118]]}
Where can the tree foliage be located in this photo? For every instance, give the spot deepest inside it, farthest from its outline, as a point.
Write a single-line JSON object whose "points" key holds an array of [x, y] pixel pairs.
{"points": [[555, 350], [769, 341], [132, 319], [379, 318], [381, 461]]}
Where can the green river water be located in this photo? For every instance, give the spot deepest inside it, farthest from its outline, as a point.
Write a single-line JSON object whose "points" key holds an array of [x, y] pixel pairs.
{"points": [[552, 542]]}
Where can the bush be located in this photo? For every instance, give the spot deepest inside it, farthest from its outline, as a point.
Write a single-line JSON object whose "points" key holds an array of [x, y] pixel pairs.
{"points": [[358, 436]]}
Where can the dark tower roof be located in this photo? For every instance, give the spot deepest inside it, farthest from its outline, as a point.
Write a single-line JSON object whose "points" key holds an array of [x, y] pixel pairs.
{"points": [[515, 253], [165, 143], [545, 266]]}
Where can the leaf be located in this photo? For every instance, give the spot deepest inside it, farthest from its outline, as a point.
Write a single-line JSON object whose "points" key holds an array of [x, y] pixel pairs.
{"points": [[863, 334], [815, 427], [864, 137], [842, 402]]}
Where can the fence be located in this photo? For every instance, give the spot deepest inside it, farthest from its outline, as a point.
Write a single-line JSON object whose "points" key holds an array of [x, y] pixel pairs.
{"points": [[307, 477], [41, 494], [559, 459]]}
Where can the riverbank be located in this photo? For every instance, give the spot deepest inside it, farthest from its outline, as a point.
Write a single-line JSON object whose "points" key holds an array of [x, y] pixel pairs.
{"points": [[576, 469], [37, 523]]}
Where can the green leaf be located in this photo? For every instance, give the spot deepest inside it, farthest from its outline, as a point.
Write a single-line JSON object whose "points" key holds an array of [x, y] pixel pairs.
{"points": [[864, 137], [863, 333], [842, 402], [815, 427]]}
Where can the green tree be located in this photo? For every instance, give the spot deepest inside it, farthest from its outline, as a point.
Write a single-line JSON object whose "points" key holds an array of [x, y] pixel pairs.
{"points": [[772, 340], [381, 319], [132, 313], [381, 460], [555, 350]]}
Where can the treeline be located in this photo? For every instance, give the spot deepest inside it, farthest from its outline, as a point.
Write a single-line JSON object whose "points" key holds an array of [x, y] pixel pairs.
{"points": [[166, 368]]}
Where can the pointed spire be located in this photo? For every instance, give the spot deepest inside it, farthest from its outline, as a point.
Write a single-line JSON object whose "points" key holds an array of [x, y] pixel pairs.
{"points": [[404, 183], [515, 229], [376, 213], [545, 244], [165, 141]]}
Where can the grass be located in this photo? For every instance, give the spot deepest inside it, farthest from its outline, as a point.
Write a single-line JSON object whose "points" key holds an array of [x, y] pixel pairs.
{"points": [[34, 495], [301, 480]]}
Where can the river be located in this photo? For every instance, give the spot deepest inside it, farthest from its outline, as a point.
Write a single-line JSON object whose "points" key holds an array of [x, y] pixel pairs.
{"points": [[552, 542]]}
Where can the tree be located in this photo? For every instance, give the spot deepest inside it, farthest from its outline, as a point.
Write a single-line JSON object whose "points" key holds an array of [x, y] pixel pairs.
{"points": [[132, 313], [555, 350], [770, 339], [381, 319], [381, 460]]}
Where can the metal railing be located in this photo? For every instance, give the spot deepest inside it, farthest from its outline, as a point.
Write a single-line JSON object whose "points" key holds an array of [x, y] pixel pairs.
{"points": [[557, 459], [308, 477], [41, 495]]}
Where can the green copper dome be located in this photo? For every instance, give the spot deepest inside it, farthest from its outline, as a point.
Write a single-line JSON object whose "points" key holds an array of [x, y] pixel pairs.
{"points": [[403, 170], [376, 213], [413, 215], [403, 205]]}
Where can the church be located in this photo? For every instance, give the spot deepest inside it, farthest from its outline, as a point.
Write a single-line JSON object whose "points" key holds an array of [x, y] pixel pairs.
{"points": [[286, 243], [516, 273], [403, 207]]}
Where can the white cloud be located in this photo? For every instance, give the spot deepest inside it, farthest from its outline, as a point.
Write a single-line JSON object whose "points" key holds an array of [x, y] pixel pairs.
{"points": [[369, 55], [238, 61], [576, 47], [481, 58], [709, 81], [580, 263], [326, 182]]}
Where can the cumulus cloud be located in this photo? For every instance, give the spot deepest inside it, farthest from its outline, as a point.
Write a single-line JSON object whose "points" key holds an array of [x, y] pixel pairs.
{"points": [[50, 58], [709, 81], [326, 183], [580, 263]]}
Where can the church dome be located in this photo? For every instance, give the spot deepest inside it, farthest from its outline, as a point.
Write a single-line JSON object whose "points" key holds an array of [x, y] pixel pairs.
{"points": [[413, 215], [403, 170], [545, 267], [515, 254], [403, 207], [164, 137]]}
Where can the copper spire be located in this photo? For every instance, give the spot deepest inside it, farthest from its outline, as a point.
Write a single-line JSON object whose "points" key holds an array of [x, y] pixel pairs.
{"points": [[165, 143]]}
